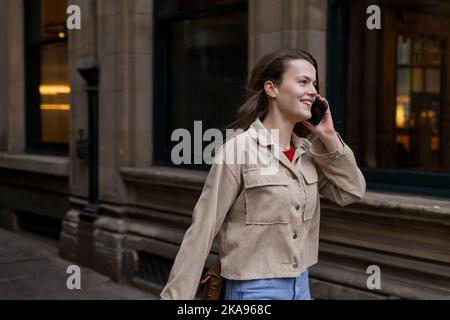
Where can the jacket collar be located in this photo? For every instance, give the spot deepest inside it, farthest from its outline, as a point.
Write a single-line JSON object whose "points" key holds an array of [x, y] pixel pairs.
{"points": [[258, 132]]}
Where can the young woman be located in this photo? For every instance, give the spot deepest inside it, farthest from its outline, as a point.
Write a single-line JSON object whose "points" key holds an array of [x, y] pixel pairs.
{"points": [[267, 222]]}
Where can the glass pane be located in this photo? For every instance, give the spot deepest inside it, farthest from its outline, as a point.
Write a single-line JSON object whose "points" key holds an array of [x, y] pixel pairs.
{"points": [[208, 70], [402, 111], [417, 80], [54, 92], [403, 81], [403, 50], [434, 116], [417, 56], [418, 109], [53, 19], [405, 130], [402, 108], [432, 52], [433, 80]]}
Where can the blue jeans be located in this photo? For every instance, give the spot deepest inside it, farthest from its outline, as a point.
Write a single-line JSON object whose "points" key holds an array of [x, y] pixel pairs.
{"points": [[269, 289]]}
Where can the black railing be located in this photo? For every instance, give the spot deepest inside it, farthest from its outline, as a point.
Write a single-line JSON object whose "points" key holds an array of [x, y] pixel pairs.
{"points": [[91, 76]]}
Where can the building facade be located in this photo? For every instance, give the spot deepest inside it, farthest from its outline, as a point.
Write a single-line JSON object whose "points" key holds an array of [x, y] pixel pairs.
{"points": [[137, 70]]}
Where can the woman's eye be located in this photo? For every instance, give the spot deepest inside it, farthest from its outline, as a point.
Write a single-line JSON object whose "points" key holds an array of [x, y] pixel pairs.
{"points": [[303, 82]]}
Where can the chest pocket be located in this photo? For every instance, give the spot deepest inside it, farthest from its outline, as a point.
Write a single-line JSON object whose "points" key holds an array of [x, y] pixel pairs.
{"points": [[310, 175], [266, 197]]}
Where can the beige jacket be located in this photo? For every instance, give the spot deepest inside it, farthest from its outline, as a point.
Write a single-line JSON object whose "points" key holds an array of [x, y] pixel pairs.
{"points": [[267, 223]]}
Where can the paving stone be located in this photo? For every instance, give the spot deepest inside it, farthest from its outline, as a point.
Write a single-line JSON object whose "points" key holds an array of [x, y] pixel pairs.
{"points": [[30, 269]]}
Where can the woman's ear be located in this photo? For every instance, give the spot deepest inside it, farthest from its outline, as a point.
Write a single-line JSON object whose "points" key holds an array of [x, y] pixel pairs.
{"points": [[270, 89]]}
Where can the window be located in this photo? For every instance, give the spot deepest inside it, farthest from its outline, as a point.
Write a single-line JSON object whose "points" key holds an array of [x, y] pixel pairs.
{"points": [[418, 103], [47, 77], [392, 90], [200, 67]]}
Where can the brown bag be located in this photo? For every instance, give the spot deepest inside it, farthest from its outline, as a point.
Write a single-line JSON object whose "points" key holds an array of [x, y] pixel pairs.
{"points": [[212, 282]]}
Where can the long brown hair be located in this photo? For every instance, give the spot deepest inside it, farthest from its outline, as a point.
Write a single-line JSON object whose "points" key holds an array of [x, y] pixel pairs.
{"points": [[269, 67]]}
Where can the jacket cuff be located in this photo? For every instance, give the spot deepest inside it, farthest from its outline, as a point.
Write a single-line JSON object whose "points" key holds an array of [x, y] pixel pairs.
{"points": [[319, 150]]}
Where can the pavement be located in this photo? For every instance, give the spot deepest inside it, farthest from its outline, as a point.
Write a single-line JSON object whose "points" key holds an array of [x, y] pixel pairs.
{"points": [[30, 269]]}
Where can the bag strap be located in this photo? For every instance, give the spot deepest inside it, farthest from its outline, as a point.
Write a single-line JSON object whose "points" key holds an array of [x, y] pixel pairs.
{"points": [[213, 271]]}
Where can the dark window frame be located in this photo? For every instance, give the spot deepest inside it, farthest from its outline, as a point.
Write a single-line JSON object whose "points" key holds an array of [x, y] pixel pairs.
{"points": [[161, 72], [393, 180], [33, 142]]}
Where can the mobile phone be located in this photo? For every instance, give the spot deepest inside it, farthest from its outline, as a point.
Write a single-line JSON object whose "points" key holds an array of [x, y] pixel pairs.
{"points": [[318, 110]]}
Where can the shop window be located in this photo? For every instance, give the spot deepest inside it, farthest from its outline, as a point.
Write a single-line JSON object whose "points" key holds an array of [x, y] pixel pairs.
{"points": [[391, 92], [200, 67], [47, 76]]}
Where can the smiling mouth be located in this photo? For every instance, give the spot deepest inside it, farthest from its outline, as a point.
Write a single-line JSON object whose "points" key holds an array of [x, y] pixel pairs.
{"points": [[307, 102]]}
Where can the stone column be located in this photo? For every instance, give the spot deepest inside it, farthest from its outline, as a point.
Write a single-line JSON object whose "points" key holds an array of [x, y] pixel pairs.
{"points": [[82, 54], [12, 79], [125, 56], [281, 24], [116, 36]]}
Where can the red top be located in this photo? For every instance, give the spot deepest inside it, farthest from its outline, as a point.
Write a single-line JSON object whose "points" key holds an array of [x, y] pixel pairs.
{"points": [[290, 153]]}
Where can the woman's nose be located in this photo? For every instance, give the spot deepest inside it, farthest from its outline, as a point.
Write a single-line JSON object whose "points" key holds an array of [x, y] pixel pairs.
{"points": [[313, 91]]}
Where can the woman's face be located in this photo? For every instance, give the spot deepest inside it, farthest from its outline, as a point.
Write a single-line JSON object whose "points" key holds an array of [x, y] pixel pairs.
{"points": [[296, 93]]}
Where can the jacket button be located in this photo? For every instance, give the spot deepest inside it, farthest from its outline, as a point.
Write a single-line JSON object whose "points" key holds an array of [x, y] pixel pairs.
{"points": [[297, 207], [294, 236], [295, 266]]}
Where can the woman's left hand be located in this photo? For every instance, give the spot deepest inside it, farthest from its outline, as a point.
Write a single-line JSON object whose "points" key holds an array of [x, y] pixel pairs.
{"points": [[325, 130], [325, 127]]}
